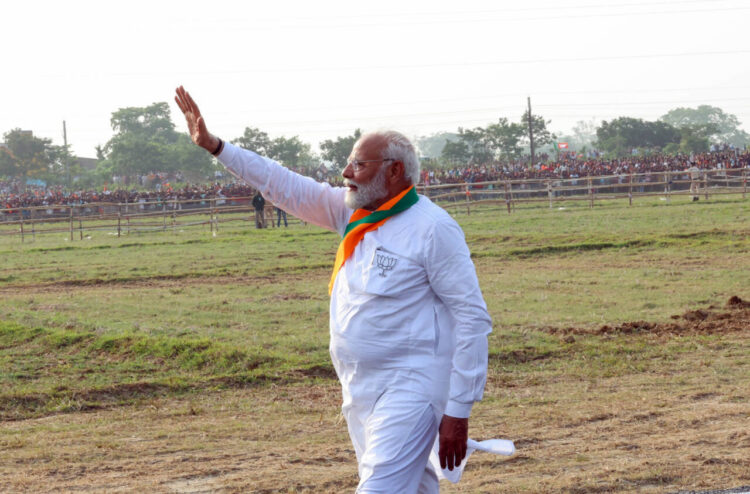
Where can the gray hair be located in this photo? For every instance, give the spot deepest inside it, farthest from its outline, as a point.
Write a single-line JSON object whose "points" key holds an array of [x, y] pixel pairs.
{"points": [[398, 147]]}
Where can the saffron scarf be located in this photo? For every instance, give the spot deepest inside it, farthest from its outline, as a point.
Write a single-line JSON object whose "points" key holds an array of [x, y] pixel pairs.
{"points": [[363, 221]]}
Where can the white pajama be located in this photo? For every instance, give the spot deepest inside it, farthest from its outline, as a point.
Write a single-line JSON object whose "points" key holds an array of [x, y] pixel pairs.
{"points": [[393, 446], [408, 323]]}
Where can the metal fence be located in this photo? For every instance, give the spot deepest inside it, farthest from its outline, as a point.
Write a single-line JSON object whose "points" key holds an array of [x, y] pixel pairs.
{"points": [[127, 218]]}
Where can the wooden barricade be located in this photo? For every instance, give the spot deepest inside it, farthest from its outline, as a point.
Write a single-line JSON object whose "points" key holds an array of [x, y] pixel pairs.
{"points": [[129, 218]]}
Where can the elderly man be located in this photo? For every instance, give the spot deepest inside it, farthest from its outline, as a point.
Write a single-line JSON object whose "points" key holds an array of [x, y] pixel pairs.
{"points": [[408, 322]]}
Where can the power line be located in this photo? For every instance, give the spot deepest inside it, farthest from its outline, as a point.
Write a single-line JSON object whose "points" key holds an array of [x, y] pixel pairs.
{"points": [[519, 96], [453, 17], [640, 103], [222, 73], [495, 109], [556, 6], [321, 128]]}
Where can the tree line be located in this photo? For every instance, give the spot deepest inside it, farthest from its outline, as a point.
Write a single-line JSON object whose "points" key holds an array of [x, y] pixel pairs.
{"points": [[144, 140], [679, 131]]}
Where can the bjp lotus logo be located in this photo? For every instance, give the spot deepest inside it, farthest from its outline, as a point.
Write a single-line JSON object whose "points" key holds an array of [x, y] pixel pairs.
{"points": [[384, 263]]}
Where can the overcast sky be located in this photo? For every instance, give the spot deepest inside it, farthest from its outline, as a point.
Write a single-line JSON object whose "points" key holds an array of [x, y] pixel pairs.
{"points": [[320, 69]]}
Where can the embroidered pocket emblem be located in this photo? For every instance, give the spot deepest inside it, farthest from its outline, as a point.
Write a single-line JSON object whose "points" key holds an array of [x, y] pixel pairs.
{"points": [[384, 263]]}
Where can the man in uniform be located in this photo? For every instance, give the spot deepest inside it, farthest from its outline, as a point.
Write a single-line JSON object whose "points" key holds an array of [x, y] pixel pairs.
{"points": [[408, 322]]}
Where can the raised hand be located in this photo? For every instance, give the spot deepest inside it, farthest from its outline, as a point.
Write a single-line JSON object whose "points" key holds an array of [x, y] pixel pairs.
{"points": [[196, 125]]}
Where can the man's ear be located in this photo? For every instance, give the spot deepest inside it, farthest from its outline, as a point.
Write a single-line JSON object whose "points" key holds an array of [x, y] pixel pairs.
{"points": [[397, 171]]}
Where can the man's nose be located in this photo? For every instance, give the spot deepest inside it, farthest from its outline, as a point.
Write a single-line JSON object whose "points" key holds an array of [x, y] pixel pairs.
{"points": [[348, 171]]}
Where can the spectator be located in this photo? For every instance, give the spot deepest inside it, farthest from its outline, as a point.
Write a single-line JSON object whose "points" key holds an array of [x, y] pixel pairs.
{"points": [[568, 165], [259, 204], [279, 214]]}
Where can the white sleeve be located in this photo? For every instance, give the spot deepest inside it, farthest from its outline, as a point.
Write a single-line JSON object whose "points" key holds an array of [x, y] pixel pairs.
{"points": [[453, 278], [315, 202]]}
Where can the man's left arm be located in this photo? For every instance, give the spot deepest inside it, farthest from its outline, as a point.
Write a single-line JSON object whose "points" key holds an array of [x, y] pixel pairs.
{"points": [[453, 278]]}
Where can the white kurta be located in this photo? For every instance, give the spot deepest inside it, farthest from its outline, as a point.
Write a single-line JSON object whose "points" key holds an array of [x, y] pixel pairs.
{"points": [[408, 321]]}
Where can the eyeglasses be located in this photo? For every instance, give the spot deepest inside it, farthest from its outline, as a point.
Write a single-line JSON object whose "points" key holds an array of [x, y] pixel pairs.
{"points": [[357, 164]]}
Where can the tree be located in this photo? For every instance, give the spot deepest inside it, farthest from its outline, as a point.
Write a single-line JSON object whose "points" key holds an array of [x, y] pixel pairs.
{"points": [[153, 121], [27, 156], [542, 135], [193, 161], [623, 134], [504, 139], [695, 138], [476, 144], [584, 133], [65, 167], [727, 126], [456, 151], [141, 141], [432, 146], [255, 140], [290, 152], [103, 173], [145, 141], [659, 134], [338, 151]]}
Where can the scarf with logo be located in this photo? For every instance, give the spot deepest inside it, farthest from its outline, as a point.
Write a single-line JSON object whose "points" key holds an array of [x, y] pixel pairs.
{"points": [[363, 221]]}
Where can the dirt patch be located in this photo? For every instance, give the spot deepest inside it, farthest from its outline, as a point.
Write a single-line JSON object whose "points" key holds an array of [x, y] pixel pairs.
{"points": [[733, 317], [178, 282], [194, 485], [735, 301], [521, 356], [21, 407], [320, 371], [283, 297]]}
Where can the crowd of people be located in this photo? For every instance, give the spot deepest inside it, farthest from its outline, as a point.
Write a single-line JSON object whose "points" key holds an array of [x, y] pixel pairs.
{"points": [[573, 165], [16, 194]]}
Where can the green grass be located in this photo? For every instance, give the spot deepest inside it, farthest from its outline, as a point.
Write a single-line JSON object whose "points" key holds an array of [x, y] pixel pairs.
{"points": [[106, 320]]}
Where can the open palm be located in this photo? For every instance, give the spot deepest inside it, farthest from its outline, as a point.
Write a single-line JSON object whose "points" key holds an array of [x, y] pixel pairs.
{"points": [[196, 125]]}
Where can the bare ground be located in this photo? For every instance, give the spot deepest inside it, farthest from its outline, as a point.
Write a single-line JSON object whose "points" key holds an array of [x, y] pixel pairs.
{"points": [[687, 427], [163, 281]]}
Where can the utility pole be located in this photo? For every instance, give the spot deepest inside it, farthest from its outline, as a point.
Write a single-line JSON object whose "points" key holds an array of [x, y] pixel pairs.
{"points": [[67, 161], [531, 133]]}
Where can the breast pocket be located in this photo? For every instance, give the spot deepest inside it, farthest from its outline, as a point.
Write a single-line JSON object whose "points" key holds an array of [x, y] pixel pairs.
{"points": [[388, 273]]}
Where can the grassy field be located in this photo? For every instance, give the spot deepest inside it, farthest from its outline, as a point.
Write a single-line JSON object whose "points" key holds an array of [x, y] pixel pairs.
{"points": [[181, 362]]}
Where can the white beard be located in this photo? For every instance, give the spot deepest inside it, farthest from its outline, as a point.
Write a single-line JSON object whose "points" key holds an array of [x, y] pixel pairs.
{"points": [[368, 193]]}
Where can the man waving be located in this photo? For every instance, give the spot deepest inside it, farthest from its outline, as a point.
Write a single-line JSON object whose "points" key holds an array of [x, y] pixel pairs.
{"points": [[408, 322]]}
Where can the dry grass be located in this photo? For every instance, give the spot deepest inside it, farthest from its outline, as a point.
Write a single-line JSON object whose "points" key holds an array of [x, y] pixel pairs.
{"points": [[683, 423], [600, 389]]}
